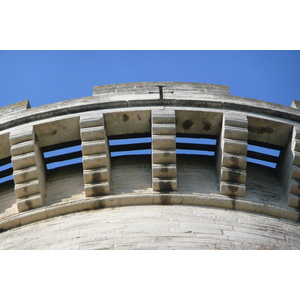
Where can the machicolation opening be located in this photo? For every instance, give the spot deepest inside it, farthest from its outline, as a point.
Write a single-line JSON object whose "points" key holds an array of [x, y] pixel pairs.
{"points": [[136, 167]]}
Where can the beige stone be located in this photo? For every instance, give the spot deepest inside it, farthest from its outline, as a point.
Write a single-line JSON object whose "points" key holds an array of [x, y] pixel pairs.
{"points": [[164, 200]]}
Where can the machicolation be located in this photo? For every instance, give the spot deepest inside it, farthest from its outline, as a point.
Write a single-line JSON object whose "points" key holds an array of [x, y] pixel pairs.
{"points": [[156, 165]]}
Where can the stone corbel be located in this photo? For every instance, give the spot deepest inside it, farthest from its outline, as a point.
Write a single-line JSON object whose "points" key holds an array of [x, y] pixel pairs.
{"points": [[164, 171], [232, 155], [28, 169], [95, 155], [289, 170]]}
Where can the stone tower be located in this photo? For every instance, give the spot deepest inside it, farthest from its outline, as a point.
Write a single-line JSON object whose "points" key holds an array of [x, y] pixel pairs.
{"points": [[156, 165]]}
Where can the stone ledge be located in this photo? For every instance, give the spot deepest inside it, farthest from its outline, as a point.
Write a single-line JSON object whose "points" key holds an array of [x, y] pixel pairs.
{"points": [[172, 198], [222, 100]]}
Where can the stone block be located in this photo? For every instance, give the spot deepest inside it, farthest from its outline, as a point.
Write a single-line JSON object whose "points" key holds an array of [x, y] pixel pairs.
{"points": [[92, 133], [294, 201], [96, 175], [94, 147], [163, 156], [233, 175], [164, 170], [28, 188], [234, 161], [23, 161], [22, 135], [160, 184], [297, 145], [25, 175], [296, 133], [295, 187], [295, 172], [87, 121], [235, 121], [94, 161], [236, 133], [30, 202], [164, 129], [159, 118], [232, 189], [97, 189], [235, 146], [296, 160], [163, 142], [22, 148]]}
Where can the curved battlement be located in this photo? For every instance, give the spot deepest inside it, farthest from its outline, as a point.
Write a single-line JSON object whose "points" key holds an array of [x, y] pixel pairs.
{"points": [[158, 143]]}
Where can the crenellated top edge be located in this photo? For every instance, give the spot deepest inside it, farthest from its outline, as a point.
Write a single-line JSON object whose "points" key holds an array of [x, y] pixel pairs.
{"points": [[110, 91], [295, 104], [14, 108], [143, 87], [143, 94]]}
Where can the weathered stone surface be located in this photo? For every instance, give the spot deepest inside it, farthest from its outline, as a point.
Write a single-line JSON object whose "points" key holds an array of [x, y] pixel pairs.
{"points": [[164, 172], [231, 155], [15, 108], [155, 227], [165, 178], [27, 161], [96, 156], [289, 170]]}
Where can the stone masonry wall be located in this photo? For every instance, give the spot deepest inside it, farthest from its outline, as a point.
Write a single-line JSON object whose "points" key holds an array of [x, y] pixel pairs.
{"points": [[155, 227], [193, 184]]}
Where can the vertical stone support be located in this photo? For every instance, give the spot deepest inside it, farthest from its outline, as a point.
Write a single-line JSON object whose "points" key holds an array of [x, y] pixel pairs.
{"points": [[164, 170], [232, 155], [289, 169], [28, 169], [95, 155]]}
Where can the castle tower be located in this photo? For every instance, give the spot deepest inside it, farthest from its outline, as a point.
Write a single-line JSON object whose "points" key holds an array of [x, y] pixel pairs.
{"points": [[156, 165]]}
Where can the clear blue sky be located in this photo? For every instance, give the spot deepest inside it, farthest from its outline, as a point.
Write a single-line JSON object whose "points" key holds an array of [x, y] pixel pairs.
{"points": [[45, 77]]}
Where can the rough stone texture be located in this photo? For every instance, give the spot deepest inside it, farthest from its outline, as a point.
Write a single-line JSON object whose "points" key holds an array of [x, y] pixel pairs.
{"points": [[263, 185], [95, 155], [15, 108], [8, 204], [136, 178], [232, 152], [64, 186], [197, 175], [155, 227], [173, 194], [164, 173], [29, 169], [289, 169]]}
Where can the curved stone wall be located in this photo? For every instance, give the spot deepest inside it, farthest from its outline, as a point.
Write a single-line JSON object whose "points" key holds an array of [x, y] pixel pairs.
{"points": [[169, 122], [152, 227]]}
